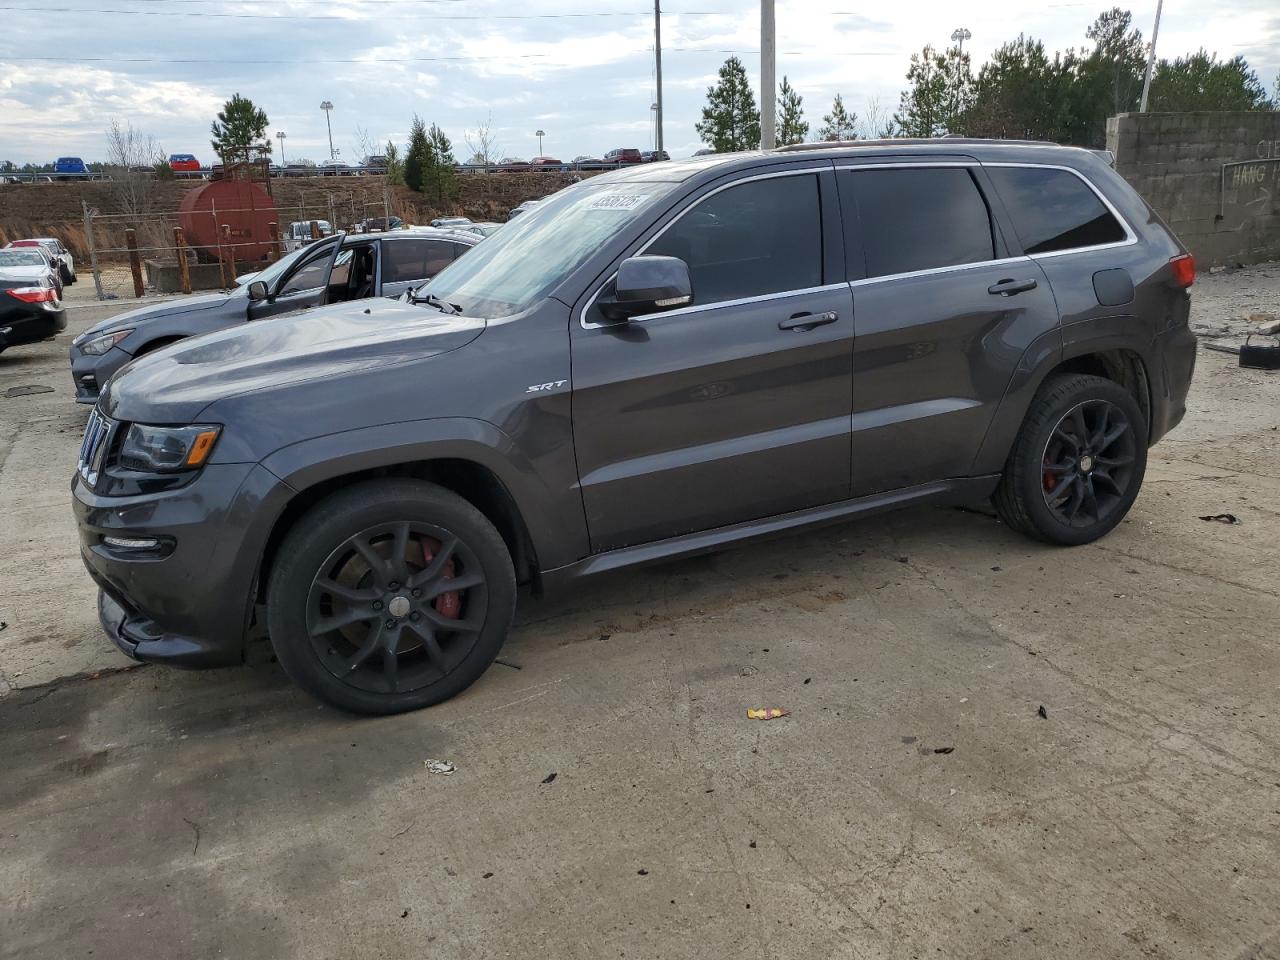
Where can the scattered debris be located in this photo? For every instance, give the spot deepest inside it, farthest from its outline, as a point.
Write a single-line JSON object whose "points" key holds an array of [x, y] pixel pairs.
{"points": [[964, 699], [767, 713], [4, 625], [603, 637], [1229, 518], [909, 739], [1265, 357], [752, 844], [1042, 713], [549, 778], [27, 391], [997, 568], [487, 875], [943, 749], [642, 872], [1232, 348], [952, 792], [440, 766], [507, 663], [904, 559], [196, 827], [806, 679], [404, 913]]}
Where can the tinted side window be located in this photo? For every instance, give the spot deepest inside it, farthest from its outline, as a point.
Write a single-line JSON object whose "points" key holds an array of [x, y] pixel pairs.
{"points": [[753, 239], [1054, 209], [403, 260], [918, 218]]}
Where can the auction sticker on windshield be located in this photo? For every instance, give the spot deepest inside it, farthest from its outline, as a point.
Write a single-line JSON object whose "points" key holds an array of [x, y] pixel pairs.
{"points": [[619, 201]]}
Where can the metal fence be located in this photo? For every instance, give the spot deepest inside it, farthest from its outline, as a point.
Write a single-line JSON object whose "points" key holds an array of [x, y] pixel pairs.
{"points": [[168, 252]]}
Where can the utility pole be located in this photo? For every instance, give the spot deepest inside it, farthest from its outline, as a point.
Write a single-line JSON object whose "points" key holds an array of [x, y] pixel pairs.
{"points": [[657, 51], [280, 135], [540, 134], [327, 107], [1151, 60], [768, 77]]}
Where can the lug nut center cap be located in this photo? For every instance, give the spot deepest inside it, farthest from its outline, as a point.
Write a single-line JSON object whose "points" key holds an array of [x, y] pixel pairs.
{"points": [[1086, 465], [398, 607]]}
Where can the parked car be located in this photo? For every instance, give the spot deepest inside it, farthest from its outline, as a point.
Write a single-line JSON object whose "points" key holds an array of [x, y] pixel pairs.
{"points": [[704, 152], [513, 164], [333, 168], [375, 163], [338, 269], [644, 368], [30, 308], [652, 156], [34, 264], [57, 251], [183, 163], [546, 163], [451, 221], [584, 160], [483, 229], [299, 233], [71, 168], [522, 208], [623, 155], [379, 224]]}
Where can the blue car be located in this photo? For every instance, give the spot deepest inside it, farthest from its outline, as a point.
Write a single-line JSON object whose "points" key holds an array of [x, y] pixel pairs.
{"points": [[70, 166]]}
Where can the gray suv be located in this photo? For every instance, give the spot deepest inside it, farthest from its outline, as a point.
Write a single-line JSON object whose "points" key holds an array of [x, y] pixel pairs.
{"points": [[649, 364], [338, 269]]}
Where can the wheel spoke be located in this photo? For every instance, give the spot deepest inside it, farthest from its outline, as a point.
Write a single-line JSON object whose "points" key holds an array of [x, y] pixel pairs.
{"points": [[350, 594], [1077, 498], [367, 649], [441, 622], [399, 547], [1122, 461], [390, 666], [340, 620], [449, 585], [1114, 435], [1059, 469], [1078, 425], [1104, 477], [1066, 438], [372, 557], [437, 564], [1091, 498], [1101, 432], [429, 643]]}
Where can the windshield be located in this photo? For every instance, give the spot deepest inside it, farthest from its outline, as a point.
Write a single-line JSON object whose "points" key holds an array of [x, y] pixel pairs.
{"points": [[519, 264], [284, 264], [20, 258]]}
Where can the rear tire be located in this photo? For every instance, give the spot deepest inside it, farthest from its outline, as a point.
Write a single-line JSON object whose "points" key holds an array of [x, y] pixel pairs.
{"points": [[1077, 464], [359, 606]]}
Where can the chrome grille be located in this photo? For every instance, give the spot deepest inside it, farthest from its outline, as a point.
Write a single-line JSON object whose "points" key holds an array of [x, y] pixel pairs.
{"points": [[98, 434]]}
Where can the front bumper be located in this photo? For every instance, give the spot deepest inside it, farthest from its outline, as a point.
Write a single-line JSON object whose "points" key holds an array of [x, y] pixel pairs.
{"points": [[188, 604], [90, 374]]}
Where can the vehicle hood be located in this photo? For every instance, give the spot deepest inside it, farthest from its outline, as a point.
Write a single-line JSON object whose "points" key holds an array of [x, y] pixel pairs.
{"points": [[132, 318], [176, 383]]}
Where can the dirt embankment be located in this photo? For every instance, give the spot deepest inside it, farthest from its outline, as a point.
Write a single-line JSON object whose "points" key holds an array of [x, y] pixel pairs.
{"points": [[57, 209]]}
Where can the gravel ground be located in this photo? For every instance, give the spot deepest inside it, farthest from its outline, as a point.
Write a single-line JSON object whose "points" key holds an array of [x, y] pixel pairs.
{"points": [[154, 813]]}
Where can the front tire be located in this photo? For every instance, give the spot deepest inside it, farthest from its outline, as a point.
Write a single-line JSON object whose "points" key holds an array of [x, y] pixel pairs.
{"points": [[390, 596], [1077, 464]]}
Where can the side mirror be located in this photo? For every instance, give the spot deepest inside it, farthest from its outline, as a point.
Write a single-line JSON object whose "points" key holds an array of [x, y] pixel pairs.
{"points": [[257, 291], [648, 284]]}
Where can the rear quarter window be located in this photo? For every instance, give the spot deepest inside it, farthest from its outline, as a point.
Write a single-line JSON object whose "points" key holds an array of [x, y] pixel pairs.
{"points": [[1054, 210]]}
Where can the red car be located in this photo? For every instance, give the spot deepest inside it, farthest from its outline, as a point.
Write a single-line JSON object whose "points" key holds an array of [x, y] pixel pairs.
{"points": [[183, 163], [624, 155], [544, 162]]}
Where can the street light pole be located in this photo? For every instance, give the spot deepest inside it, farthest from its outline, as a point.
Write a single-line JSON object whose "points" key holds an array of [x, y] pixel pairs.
{"points": [[540, 134], [959, 35], [1151, 60], [657, 51], [280, 137], [327, 107], [768, 76]]}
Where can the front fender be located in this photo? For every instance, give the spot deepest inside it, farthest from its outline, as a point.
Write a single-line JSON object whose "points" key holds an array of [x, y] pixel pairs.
{"points": [[552, 514]]}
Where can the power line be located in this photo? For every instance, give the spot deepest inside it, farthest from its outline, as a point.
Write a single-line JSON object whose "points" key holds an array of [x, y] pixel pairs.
{"points": [[330, 16]]}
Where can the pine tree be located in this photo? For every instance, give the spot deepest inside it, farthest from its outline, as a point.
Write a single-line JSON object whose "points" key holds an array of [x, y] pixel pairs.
{"points": [[439, 178], [839, 124], [730, 120], [791, 123], [941, 90], [240, 132], [395, 166], [416, 157]]}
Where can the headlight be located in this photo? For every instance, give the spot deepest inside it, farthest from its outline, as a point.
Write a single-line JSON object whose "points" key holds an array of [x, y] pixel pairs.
{"points": [[167, 449], [100, 345]]}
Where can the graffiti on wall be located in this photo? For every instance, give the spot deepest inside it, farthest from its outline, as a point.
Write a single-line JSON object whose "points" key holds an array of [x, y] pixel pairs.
{"points": [[1251, 188]]}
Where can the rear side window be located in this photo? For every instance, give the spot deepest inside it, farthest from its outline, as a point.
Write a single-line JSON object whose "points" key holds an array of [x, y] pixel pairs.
{"points": [[1054, 209], [753, 239], [917, 218], [414, 259]]}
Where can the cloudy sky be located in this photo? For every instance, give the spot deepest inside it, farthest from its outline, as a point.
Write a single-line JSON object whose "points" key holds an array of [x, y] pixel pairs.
{"points": [[582, 71]]}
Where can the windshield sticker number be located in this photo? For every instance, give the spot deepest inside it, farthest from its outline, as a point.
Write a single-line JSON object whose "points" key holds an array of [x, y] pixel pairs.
{"points": [[618, 201]]}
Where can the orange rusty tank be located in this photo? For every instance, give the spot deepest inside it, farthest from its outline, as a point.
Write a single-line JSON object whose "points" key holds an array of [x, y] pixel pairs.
{"points": [[242, 205]]}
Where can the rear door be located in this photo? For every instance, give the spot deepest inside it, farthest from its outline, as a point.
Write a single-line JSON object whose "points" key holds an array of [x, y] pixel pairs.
{"points": [[734, 408], [410, 261], [943, 312]]}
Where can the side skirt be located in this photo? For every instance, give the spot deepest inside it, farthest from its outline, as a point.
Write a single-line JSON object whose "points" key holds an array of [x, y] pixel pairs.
{"points": [[942, 493]]}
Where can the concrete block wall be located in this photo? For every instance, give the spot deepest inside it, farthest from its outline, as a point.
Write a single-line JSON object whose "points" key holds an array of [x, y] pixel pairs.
{"points": [[1213, 177]]}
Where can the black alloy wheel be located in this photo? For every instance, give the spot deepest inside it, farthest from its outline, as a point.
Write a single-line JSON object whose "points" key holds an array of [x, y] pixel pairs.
{"points": [[1089, 463]]}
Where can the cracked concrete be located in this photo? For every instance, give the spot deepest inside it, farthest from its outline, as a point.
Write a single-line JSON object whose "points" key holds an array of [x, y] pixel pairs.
{"points": [[154, 813]]}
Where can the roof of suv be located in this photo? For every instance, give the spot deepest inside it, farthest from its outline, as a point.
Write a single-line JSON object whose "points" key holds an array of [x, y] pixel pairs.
{"points": [[989, 150]]}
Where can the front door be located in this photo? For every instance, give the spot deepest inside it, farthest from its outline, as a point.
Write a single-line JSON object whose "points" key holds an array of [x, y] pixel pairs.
{"points": [[734, 408], [942, 315]]}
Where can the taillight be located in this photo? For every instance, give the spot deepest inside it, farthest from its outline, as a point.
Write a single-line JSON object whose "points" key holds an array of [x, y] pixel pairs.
{"points": [[34, 294], [1184, 270]]}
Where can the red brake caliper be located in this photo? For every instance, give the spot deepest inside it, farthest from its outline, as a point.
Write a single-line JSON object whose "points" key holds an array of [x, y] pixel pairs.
{"points": [[447, 604]]}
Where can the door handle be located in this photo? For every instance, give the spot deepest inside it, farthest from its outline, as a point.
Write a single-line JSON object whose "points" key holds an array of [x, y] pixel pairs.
{"points": [[1007, 288], [807, 321]]}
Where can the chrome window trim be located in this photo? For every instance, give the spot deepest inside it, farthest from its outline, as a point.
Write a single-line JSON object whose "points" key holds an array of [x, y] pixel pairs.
{"points": [[817, 168], [953, 268]]}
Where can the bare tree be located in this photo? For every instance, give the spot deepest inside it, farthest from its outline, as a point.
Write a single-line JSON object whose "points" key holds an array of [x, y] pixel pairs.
{"points": [[366, 146], [877, 122], [133, 158], [481, 142]]}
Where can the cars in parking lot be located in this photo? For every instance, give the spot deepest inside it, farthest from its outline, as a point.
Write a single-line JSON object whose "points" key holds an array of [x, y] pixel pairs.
{"points": [[299, 233], [70, 168], [450, 221], [522, 208], [484, 229], [37, 261], [652, 156], [30, 306], [183, 163], [623, 155], [652, 363], [338, 269], [58, 254], [546, 163]]}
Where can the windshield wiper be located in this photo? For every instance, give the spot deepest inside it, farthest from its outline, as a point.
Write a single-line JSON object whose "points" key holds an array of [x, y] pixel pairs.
{"points": [[444, 306]]}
